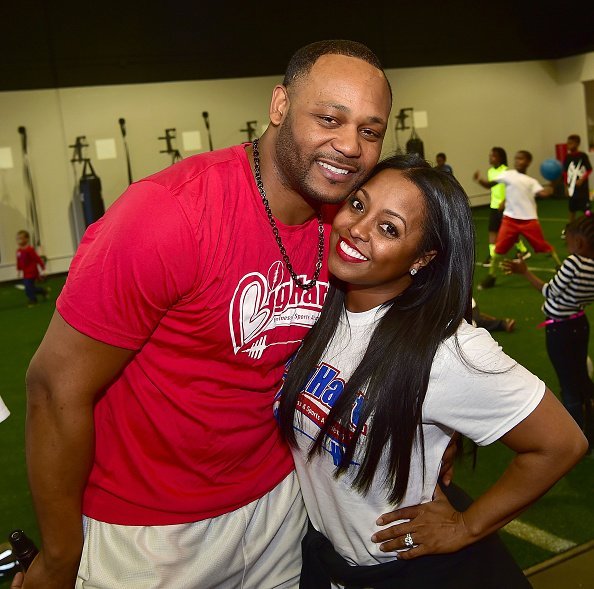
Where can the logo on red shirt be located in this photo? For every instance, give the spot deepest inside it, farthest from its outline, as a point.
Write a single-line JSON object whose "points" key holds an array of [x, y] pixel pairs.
{"points": [[263, 303]]}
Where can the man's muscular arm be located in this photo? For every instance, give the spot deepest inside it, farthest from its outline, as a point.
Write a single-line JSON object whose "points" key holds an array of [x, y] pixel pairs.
{"points": [[67, 373]]}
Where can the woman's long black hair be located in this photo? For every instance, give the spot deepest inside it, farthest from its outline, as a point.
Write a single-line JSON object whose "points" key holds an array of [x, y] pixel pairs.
{"points": [[394, 372]]}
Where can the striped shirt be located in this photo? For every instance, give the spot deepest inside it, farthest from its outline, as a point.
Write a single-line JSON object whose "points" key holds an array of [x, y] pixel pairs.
{"points": [[571, 289]]}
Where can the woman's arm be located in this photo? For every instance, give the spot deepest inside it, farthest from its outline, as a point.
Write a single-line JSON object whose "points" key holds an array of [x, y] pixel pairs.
{"points": [[548, 443]]}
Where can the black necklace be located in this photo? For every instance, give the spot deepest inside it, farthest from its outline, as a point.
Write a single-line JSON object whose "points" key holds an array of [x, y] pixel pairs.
{"points": [[281, 247]]}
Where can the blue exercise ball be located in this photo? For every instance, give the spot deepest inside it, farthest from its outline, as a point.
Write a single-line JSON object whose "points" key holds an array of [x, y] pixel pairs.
{"points": [[551, 169]]}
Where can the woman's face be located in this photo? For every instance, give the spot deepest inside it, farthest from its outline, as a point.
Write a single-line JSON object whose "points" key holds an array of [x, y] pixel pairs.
{"points": [[376, 236]]}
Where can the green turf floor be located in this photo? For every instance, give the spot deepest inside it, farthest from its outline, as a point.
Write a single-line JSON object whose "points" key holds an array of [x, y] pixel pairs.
{"points": [[567, 511]]}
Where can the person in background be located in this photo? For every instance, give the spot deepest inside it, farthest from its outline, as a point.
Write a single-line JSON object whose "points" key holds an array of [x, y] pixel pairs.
{"points": [[520, 217], [490, 323], [576, 171], [498, 161], [386, 375], [566, 325], [441, 165], [28, 265]]}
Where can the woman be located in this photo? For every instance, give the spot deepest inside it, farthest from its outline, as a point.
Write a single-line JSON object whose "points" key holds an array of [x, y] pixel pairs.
{"points": [[386, 376]]}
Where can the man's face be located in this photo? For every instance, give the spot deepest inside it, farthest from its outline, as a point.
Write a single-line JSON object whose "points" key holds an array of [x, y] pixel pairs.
{"points": [[572, 145], [521, 162], [331, 136]]}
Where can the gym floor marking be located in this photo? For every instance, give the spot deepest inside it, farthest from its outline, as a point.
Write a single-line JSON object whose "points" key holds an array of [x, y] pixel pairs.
{"points": [[538, 537]]}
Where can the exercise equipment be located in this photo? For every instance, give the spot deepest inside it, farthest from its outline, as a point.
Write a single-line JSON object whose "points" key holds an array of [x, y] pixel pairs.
{"points": [[551, 169], [170, 135], [250, 129], [87, 191], [414, 143], [90, 194], [122, 123], [31, 201], [207, 125]]}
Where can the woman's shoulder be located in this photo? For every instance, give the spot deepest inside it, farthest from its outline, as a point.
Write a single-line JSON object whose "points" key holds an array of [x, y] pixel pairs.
{"points": [[472, 346]]}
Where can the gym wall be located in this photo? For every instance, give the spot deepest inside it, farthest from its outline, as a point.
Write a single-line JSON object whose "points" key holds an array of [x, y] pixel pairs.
{"points": [[523, 105]]}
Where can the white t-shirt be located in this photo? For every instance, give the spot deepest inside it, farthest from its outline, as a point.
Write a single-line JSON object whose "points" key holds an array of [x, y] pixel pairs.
{"points": [[520, 191], [481, 406], [4, 412]]}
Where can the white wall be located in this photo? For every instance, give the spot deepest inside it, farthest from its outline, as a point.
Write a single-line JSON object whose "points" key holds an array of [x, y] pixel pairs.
{"points": [[475, 107], [525, 105]]}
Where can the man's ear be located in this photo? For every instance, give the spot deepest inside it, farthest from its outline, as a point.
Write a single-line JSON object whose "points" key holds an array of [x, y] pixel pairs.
{"points": [[279, 105], [424, 260]]}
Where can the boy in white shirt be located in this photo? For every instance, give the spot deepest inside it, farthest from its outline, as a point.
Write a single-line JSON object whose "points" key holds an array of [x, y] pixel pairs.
{"points": [[520, 215]]}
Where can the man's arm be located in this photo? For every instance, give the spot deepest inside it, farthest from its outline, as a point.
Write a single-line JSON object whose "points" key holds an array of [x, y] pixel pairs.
{"points": [[67, 373]]}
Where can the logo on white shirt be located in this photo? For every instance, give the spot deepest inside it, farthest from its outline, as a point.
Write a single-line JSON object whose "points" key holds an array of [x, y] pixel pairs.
{"points": [[574, 172]]}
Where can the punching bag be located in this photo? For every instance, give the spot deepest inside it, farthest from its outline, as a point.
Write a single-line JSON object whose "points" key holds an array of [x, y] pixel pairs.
{"points": [[90, 194], [415, 145]]}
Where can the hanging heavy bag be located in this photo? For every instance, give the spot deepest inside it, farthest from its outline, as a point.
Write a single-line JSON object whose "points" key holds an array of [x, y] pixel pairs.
{"points": [[90, 194], [415, 145]]}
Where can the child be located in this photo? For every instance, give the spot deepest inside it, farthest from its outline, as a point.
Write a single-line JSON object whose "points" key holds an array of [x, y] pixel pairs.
{"points": [[498, 161], [520, 216], [576, 169], [383, 379], [567, 327], [28, 262], [490, 323], [440, 160]]}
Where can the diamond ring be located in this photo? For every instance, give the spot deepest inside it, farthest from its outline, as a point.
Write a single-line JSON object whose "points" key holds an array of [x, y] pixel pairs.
{"points": [[408, 540]]}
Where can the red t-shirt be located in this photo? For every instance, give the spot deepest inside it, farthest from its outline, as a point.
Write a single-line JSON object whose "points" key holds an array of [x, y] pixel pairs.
{"points": [[184, 268], [29, 262]]}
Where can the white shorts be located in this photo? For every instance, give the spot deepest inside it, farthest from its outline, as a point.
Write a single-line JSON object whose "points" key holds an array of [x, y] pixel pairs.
{"points": [[255, 547]]}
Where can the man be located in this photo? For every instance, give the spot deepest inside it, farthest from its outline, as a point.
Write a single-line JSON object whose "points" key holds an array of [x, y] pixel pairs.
{"points": [[576, 170], [150, 397]]}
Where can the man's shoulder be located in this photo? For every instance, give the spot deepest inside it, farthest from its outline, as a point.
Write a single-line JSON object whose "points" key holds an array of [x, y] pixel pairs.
{"points": [[193, 168], [506, 173]]}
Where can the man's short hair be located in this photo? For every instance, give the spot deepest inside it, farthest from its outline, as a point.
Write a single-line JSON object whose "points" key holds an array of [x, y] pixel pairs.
{"points": [[304, 59], [575, 138], [441, 154], [526, 154]]}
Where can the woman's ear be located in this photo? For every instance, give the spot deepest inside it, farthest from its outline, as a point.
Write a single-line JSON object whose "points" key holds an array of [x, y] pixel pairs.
{"points": [[279, 104], [423, 260]]}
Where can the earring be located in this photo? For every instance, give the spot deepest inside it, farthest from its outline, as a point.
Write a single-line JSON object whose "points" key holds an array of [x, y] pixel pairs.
{"points": [[413, 271]]}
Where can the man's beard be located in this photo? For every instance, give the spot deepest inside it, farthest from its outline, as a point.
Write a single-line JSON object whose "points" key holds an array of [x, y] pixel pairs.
{"points": [[295, 170]]}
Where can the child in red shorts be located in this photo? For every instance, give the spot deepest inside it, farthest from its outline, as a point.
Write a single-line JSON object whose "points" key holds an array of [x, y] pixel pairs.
{"points": [[520, 216]]}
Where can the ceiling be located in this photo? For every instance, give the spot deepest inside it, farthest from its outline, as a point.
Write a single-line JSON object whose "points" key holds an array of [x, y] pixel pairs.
{"points": [[47, 44]]}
